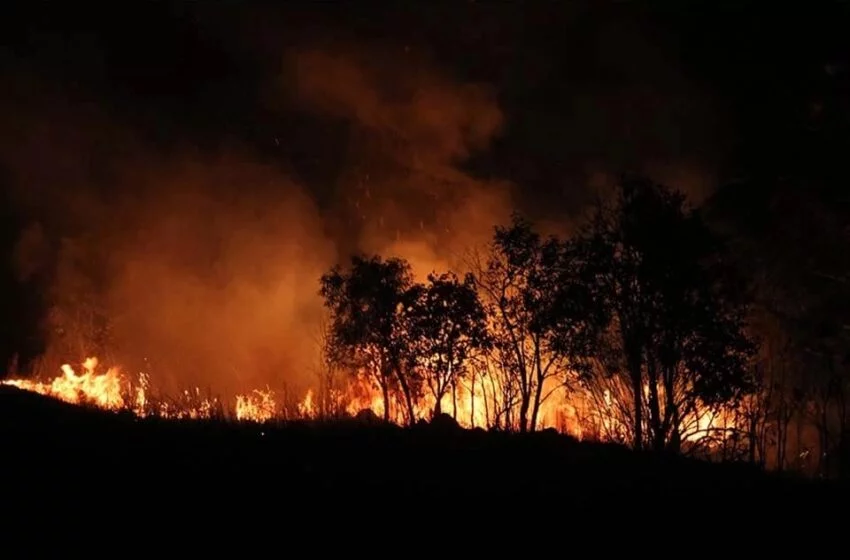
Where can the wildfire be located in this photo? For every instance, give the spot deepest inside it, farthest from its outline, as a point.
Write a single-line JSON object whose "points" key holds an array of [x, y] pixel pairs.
{"points": [[471, 404], [257, 406], [105, 390], [307, 408], [112, 390]]}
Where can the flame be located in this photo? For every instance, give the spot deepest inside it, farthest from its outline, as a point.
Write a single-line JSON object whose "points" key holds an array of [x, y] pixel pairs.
{"points": [[307, 408], [472, 403], [257, 406], [112, 390], [102, 390]]}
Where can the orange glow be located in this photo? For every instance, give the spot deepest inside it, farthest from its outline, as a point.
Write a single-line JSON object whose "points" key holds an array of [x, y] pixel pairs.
{"points": [[105, 390], [575, 412], [256, 406]]}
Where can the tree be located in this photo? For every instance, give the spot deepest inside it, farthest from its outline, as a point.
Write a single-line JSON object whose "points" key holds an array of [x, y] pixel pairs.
{"points": [[368, 305], [327, 399], [675, 306], [540, 312], [447, 325], [792, 240]]}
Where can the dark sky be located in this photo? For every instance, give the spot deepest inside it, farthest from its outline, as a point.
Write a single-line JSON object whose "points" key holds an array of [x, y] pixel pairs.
{"points": [[584, 85], [696, 93]]}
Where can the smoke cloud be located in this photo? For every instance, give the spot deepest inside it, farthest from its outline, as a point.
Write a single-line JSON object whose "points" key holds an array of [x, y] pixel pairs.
{"points": [[201, 267], [403, 187]]}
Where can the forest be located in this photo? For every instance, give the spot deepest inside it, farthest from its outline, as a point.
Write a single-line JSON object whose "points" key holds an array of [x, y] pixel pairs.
{"points": [[648, 314]]}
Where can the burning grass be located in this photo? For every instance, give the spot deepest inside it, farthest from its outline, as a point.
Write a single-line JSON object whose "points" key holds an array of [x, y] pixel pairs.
{"points": [[480, 404]]}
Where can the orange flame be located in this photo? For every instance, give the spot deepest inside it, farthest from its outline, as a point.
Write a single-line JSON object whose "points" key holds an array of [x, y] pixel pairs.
{"points": [[103, 390], [257, 406], [470, 404]]}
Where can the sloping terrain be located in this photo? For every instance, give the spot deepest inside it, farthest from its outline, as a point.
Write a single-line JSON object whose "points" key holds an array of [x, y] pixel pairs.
{"points": [[58, 456]]}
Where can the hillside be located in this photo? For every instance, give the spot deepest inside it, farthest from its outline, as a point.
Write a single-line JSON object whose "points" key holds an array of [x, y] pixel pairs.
{"points": [[60, 455]]}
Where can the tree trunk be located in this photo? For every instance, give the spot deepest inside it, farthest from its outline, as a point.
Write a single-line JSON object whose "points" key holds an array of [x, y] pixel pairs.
{"points": [[752, 434], [535, 411], [654, 407], [824, 438], [408, 399], [454, 400], [495, 414], [637, 388], [523, 411], [672, 410], [405, 390], [472, 400], [675, 444], [385, 394], [781, 435]]}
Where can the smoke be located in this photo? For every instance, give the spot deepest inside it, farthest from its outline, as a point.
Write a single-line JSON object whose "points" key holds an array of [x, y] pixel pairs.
{"points": [[200, 267], [201, 271], [403, 188], [215, 285]]}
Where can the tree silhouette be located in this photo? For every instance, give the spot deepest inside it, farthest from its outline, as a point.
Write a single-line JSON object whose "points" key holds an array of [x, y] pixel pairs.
{"points": [[540, 312], [792, 247], [447, 325], [368, 304], [674, 303]]}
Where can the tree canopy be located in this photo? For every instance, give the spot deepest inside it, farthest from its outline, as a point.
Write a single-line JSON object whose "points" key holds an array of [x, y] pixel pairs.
{"points": [[675, 304]]}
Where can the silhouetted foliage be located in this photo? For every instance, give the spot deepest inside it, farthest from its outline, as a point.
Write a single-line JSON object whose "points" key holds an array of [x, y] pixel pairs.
{"points": [[368, 302], [408, 336], [792, 246], [541, 313], [447, 325], [677, 311]]}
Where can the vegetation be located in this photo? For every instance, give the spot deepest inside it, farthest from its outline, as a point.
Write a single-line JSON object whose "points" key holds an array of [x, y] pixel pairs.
{"points": [[371, 304], [644, 292], [645, 326], [650, 311], [543, 318], [677, 315]]}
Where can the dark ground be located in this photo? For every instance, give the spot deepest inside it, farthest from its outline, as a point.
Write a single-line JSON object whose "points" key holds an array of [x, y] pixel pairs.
{"points": [[59, 458]]}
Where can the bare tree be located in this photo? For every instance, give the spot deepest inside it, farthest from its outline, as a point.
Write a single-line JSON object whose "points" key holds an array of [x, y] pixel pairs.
{"points": [[328, 401], [537, 313]]}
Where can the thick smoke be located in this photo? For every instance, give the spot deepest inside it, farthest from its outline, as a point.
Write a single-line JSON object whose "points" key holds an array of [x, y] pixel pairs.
{"points": [[201, 268], [403, 187], [218, 286]]}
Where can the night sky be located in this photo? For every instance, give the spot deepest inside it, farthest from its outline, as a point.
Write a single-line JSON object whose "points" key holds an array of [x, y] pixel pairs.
{"points": [[583, 85], [702, 95]]}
